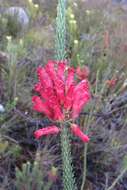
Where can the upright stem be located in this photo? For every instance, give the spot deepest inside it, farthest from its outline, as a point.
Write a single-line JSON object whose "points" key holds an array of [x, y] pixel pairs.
{"points": [[85, 150], [68, 176], [84, 167], [60, 38]]}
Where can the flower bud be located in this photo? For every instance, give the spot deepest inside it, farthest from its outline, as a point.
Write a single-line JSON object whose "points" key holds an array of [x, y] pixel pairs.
{"points": [[77, 132]]}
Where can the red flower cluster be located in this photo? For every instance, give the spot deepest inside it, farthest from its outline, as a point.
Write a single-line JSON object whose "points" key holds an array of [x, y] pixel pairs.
{"points": [[60, 97]]}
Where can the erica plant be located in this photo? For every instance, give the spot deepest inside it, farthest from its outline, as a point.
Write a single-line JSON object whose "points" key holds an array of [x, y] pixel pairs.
{"points": [[61, 97]]}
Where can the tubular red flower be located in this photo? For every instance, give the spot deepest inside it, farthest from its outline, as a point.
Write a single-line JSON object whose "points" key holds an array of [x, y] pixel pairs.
{"points": [[77, 132], [82, 86], [50, 69], [44, 77], [60, 89], [79, 103], [69, 98], [61, 70], [70, 78], [58, 115], [111, 83], [38, 87], [46, 131], [47, 93], [40, 106], [81, 96], [82, 73]]}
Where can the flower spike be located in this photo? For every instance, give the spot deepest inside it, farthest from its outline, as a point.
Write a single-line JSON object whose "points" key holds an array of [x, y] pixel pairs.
{"points": [[60, 97]]}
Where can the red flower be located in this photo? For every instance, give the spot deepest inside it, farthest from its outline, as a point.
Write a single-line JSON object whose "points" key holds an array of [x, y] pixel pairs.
{"points": [[44, 78], [40, 106], [70, 78], [38, 87], [60, 97], [59, 88], [77, 132], [111, 83], [46, 131], [82, 73], [58, 115], [61, 70], [69, 98], [81, 96], [50, 69]]}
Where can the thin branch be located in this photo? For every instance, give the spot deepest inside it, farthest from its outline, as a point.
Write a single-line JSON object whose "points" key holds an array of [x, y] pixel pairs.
{"points": [[117, 179]]}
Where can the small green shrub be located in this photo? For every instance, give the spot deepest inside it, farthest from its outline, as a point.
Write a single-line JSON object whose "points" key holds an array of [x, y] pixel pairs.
{"points": [[31, 177]]}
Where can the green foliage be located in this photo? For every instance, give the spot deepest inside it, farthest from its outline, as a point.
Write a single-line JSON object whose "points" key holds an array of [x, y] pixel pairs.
{"points": [[60, 37], [13, 73], [10, 149], [68, 176], [3, 29], [13, 26], [3, 146], [84, 30], [48, 7], [9, 25], [39, 37], [33, 9], [72, 25], [10, 105], [15, 151], [30, 177], [72, 37], [124, 164]]}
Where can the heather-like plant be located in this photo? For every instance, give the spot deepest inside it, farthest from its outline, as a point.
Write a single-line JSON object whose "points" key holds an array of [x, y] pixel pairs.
{"points": [[13, 73], [61, 98], [31, 177]]}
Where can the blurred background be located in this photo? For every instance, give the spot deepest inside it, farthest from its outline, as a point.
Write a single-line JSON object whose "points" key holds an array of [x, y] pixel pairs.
{"points": [[96, 41]]}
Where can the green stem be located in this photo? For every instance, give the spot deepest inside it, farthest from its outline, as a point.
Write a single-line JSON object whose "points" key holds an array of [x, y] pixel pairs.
{"points": [[85, 167], [68, 176], [85, 150], [60, 38]]}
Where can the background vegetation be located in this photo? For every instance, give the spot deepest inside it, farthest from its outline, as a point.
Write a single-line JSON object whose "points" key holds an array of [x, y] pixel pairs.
{"points": [[96, 39]]}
